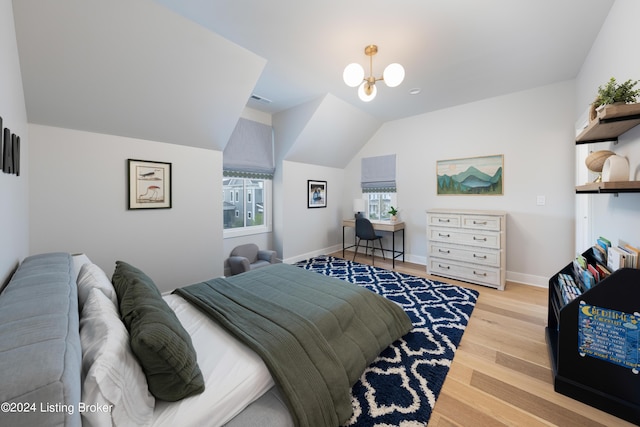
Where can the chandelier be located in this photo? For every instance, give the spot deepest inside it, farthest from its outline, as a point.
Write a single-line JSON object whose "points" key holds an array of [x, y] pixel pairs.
{"points": [[353, 76]]}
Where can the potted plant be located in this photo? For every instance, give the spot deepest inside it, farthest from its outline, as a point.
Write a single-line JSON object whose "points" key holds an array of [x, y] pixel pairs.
{"points": [[614, 93], [394, 213]]}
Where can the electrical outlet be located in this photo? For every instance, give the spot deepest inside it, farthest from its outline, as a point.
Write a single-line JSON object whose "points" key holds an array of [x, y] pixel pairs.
{"points": [[541, 200]]}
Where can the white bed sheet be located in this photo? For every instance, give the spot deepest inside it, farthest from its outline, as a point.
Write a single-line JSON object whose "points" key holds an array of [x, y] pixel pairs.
{"points": [[234, 374]]}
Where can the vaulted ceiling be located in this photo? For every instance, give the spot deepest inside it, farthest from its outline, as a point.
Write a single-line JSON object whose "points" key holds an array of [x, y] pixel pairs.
{"points": [[181, 71]]}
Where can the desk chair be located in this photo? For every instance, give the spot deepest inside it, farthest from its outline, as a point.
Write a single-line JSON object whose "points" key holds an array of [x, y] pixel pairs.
{"points": [[365, 231]]}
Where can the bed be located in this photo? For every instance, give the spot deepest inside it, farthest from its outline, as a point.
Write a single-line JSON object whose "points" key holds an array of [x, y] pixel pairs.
{"points": [[114, 351]]}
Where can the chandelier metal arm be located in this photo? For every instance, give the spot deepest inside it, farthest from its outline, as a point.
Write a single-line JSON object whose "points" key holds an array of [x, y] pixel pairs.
{"points": [[370, 51]]}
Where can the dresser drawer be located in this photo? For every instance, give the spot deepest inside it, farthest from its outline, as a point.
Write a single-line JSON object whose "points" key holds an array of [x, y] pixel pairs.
{"points": [[476, 274], [466, 254], [480, 222], [485, 239], [443, 220]]}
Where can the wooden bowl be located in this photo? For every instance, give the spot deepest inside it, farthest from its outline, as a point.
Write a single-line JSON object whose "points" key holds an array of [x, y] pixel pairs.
{"points": [[595, 160]]}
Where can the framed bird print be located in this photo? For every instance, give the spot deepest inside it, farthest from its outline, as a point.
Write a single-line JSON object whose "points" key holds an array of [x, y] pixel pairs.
{"points": [[149, 184]]}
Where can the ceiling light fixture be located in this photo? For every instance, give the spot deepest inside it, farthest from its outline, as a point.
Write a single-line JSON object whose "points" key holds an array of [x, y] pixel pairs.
{"points": [[353, 76]]}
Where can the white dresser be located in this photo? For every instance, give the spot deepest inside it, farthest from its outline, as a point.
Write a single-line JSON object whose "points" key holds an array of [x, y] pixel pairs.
{"points": [[467, 245]]}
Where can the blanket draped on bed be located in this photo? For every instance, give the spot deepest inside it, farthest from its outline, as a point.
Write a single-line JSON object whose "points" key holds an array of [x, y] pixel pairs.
{"points": [[316, 334]]}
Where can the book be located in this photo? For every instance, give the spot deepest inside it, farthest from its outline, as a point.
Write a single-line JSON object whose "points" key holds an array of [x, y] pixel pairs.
{"points": [[616, 258], [585, 279], [635, 255], [594, 271], [599, 253], [604, 271], [568, 288], [603, 243]]}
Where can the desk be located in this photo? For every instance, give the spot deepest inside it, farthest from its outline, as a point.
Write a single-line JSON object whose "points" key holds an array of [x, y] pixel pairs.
{"points": [[393, 227]]}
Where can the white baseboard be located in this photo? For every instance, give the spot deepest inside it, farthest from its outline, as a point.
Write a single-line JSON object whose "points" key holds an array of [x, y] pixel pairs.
{"points": [[302, 257], [528, 279], [512, 276]]}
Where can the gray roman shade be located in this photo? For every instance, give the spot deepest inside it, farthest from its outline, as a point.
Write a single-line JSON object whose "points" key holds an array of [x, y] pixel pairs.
{"points": [[249, 153], [379, 174]]}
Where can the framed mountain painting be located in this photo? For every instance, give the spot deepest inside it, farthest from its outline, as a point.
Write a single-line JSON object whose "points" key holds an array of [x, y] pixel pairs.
{"points": [[471, 176]]}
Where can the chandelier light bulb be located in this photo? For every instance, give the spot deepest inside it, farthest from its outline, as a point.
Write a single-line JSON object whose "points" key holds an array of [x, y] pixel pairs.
{"points": [[353, 74], [393, 75], [367, 91]]}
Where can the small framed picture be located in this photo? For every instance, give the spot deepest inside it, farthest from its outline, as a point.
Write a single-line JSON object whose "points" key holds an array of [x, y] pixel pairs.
{"points": [[149, 184], [316, 194]]}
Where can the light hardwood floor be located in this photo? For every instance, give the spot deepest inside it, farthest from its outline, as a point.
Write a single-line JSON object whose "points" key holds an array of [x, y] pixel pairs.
{"points": [[501, 374]]}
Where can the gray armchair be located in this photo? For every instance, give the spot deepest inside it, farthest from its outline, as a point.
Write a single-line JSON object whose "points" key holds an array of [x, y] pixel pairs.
{"points": [[249, 257]]}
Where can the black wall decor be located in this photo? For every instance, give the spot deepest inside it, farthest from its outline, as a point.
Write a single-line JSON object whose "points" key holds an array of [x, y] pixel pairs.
{"points": [[15, 142], [7, 163], [1, 145], [16, 156], [9, 151]]}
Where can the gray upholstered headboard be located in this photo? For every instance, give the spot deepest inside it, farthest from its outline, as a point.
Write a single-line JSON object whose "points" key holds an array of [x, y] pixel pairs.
{"points": [[40, 367]]}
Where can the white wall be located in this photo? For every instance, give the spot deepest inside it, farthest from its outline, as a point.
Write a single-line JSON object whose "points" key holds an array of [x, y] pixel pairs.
{"points": [[533, 130], [614, 54], [309, 232], [14, 210], [78, 203]]}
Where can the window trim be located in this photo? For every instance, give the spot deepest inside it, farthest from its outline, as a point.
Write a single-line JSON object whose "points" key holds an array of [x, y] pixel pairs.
{"points": [[267, 227], [365, 196]]}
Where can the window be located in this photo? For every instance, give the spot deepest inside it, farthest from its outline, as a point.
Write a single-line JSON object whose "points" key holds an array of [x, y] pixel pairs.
{"points": [[245, 215], [379, 205], [248, 166], [378, 180]]}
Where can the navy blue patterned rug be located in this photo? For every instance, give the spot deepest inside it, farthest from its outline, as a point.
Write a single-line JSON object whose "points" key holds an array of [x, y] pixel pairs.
{"points": [[401, 386]]}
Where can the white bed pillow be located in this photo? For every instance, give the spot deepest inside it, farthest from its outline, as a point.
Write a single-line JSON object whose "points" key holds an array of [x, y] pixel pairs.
{"points": [[91, 276], [111, 375], [234, 374], [78, 261]]}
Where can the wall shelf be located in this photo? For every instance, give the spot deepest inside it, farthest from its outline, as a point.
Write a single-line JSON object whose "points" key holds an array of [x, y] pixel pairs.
{"points": [[609, 187], [612, 121]]}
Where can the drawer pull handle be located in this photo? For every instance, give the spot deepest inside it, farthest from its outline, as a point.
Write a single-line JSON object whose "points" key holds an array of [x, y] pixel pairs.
{"points": [[479, 273], [445, 266], [480, 239], [442, 251], [479, 222], [480, 256], [444, 220], [444, 235]]}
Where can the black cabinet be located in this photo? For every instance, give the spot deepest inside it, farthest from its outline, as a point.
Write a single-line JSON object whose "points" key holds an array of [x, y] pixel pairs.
{"points": [[594, 345]]}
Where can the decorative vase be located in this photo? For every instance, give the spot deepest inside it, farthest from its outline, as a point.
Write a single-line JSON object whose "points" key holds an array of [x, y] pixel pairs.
{"points": [[597, 112], [593, 114], [394, 218], [601, 109], [615, 168]]}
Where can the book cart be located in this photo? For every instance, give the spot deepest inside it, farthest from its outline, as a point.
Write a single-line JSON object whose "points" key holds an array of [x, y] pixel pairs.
{"points": [[593, 342]]}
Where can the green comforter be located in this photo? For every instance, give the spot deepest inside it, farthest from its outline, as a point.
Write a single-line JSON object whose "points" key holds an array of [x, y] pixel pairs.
{"points": [[315, 333]]}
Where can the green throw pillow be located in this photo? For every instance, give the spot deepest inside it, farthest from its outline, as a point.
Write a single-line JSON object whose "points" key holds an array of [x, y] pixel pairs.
{"points": [[157, 337]]}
